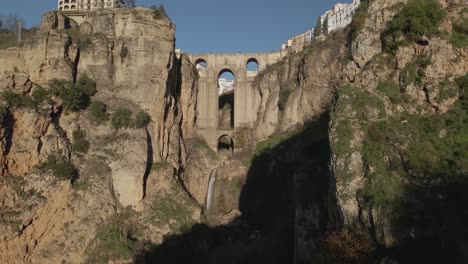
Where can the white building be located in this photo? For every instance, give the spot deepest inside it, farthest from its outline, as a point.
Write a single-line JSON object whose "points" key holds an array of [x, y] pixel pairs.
{"points": [[339, 16], [87, 5]]}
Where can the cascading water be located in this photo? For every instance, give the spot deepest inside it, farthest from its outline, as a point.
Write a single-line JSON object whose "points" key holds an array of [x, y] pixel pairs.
{"points": [[209, 195]]}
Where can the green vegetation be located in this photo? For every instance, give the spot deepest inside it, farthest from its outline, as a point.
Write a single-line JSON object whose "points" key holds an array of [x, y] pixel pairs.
{"points": [[81, 185], [112, 242], [122, 118], [159, 165], [435, 151], [460, 33], [272, 142], [124, 52], [97, 111], [243, 138], [167, 207], [344, 134], [59, 167], [447, 90], [40, 95], [13, 99], [75, 97], [411, 74], [283, 98], [142, 119], [80, 144], [318, 27], [418, 18], [199, 143], [392, 90], [159, 12], [83, 40], [8, 39], [359, 18], [366, 105]]}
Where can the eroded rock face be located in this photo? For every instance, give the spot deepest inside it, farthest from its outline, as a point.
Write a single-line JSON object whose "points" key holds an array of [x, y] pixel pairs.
{"points": [[434, 93], [300, 89], [130, 55]]}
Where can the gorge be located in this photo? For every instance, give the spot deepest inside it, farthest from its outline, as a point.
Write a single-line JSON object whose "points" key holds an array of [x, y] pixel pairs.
{"points": [[352, 150]]}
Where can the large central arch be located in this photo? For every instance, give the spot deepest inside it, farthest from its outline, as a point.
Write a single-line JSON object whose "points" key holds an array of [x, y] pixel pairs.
{"points": [[226, 106]]}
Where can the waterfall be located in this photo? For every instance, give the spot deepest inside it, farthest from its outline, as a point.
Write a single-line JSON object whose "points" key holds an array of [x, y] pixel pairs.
{"points": [[209, 195]]}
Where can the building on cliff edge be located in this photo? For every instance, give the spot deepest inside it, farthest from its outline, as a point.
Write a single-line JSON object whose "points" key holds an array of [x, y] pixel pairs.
{"points": [[77, 9], [87, 5], [336, 18]]}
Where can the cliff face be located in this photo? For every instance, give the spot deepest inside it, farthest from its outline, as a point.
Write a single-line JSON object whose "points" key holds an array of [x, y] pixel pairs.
{"points": [[130, 55], [392, 133], [394, 98], [298, 88]]}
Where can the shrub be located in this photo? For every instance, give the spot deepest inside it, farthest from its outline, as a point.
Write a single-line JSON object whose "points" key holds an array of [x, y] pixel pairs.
{"points": [[142, 119], [59, 167], [15, 100], [39, 95], [98, 112], [122, 118], [460, 34], [8, 39], [123, 52], [82, 40], [344, 133], [417, 19], [75, 97], [111, 242], [283, 98], [358, 19], [391, 90], [80, 144], [410, 74], [159, 12], [86, 85], [344, 247]]}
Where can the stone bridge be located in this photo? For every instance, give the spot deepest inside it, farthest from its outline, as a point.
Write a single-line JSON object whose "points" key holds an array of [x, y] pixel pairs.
{"points": [[208, 96]]}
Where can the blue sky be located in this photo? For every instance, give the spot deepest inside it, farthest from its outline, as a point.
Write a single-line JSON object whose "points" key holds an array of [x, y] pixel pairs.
{"points": [[215, 25]]}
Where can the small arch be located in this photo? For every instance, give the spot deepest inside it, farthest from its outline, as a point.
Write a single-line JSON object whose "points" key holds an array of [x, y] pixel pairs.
{"points": [[225, 142], [73, 7], [201, 64], [252, 64]]}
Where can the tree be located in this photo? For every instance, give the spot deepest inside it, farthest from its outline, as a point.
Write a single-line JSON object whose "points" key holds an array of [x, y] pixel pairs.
{"points": [[10, 22], [318, 27], [163, 10]]}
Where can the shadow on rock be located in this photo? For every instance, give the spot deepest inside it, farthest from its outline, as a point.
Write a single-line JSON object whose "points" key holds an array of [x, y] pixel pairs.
{"points": [[284, 202]]}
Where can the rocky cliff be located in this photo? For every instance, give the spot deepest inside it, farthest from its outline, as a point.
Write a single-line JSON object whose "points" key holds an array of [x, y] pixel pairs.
{"points": [[66, 176], [393, 83], [357, 155]]}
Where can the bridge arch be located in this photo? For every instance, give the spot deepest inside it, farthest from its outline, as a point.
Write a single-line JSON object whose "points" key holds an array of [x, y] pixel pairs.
{"points": [[226, 69], [201, 64], [225, 142], [226, 98], [252, 64]]}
